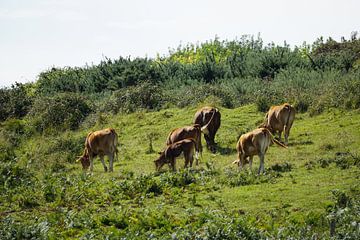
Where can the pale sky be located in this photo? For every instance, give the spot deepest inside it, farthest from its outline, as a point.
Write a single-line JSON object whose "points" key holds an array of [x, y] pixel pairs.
{"points": [[36, 35]]}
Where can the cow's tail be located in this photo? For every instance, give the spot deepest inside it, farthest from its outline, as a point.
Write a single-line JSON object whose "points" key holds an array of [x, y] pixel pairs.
{"points": [[272, 138], [289, 109], [198, 140], [115, 143], [279, 143]]}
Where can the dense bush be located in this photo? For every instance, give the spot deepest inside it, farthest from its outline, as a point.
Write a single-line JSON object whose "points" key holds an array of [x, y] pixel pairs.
{"points": [[108, 75], [62, 111], [142, 96], [312, 77], [15, 101]]}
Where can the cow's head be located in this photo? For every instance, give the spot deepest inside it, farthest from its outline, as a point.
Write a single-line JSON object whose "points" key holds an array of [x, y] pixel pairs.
{"points": [[163, 158], [85, 161], [160, 161]]}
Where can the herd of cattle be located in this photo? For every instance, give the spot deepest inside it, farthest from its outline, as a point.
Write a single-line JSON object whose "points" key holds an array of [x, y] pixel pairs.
{"points": [[187, 140]]}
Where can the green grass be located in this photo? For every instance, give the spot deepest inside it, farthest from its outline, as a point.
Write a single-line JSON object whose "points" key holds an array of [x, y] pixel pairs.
{"points": [[136, 202]]}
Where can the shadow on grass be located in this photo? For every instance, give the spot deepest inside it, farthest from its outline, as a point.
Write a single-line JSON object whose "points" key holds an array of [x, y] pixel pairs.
{"points": [[225, 150], [297, 143]]}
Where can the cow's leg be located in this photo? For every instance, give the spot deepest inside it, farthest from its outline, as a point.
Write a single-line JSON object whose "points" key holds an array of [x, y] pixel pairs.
{"points": [[242, 161], [261, 168], [212, 143], [287, 133], [191, 158], [208, 141], [280, 132], [111, 162], [187, 160], [172, 161], [250, 162], [103, 162], [91, 163]]}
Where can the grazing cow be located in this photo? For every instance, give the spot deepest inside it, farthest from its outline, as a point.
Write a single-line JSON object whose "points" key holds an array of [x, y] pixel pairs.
{"points": [[174, 150], [209, 119], [253, 143], [99, 143], [193, 132], [280, 118]]}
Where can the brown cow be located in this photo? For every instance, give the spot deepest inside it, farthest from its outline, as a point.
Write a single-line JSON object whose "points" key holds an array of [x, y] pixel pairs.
{"points": [[174, 150], [209, 119], [99, 143], [280, 118], [253, 143], [193, 132]]}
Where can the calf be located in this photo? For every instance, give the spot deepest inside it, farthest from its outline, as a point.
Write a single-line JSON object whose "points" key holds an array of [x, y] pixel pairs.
{"points": [[174, 150], [253, 143], [99, 143], [182, 133]]}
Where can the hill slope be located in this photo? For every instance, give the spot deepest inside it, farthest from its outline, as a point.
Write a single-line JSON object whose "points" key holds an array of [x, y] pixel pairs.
{"points": [[303, 186]]}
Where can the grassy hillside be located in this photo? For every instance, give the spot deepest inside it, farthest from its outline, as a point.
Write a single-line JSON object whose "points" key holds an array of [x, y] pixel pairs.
{"points": [[45, 194]]}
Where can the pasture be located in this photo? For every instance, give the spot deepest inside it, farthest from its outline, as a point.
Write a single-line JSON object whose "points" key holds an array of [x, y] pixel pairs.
{"points": [[46, 195]]}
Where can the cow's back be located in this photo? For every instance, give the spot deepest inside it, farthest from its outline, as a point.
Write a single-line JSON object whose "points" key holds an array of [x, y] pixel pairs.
{"points": [[280, 116], [203, 116], [102, 141], [254, 142], [183, 133], [207, 114]]}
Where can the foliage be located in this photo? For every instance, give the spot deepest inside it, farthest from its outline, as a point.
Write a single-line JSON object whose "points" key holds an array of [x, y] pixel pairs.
{"points": [[62, 111], [108, 75], [15, 101], [142, 96]]}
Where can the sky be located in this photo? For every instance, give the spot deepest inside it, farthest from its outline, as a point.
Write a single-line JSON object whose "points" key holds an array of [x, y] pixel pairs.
{"points": [[36, 35]]}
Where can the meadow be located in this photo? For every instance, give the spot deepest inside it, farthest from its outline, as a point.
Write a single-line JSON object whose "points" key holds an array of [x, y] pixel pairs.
{"points": [[305, 186]]}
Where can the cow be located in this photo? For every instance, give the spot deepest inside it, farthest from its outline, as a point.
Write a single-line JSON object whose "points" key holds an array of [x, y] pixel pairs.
{"points": [[209, 119], [280, 118], [253, 143], [99, 143], [172, 151], [193, 132]]}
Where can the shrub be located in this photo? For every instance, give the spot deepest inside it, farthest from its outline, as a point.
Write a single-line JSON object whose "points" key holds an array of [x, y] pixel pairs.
{"points": [[13, 176], [68, 145], [144, 96], [6, 151], [63, 111], [15, 101], [12, 229]]}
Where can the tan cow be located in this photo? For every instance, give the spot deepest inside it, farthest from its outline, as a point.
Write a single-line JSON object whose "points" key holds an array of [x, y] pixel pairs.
{"points": [[172, 151], [193, 132], [280, 118], [253, 143], [209, 119], [100, 143]]}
